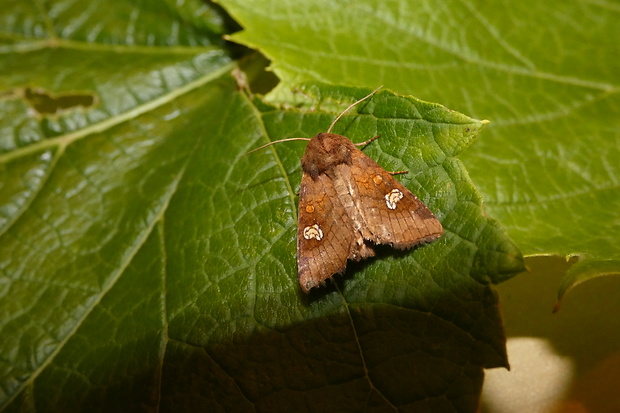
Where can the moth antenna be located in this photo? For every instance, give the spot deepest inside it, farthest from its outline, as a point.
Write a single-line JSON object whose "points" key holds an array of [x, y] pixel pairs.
{"points": [[278, 141], [328, 130], [352, 105], [367, 141]]}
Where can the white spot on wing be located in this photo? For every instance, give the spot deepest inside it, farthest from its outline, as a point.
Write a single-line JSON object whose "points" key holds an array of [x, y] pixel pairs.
{"points": [[392, 197], [313, 231]]}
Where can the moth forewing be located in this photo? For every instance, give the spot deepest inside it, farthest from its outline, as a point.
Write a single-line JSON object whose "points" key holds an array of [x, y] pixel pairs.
{"points": [[391, 213], [322, 245]]}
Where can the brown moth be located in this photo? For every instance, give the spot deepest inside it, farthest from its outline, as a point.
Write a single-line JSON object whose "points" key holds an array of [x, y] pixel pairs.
{"points": [[347, 205]]}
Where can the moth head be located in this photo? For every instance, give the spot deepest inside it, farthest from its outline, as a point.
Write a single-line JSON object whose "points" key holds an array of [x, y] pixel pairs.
{"points": [[325, 151]]}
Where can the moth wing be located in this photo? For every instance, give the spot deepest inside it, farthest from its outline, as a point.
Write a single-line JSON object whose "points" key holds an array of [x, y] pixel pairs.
{"points": [[326, 237], [390, 212]]}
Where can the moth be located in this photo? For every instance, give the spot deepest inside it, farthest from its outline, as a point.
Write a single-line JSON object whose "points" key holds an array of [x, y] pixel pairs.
{"points": [[348, 204]]}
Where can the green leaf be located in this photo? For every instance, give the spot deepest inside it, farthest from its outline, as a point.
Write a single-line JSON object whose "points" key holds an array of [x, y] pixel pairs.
{"points": [[147, 263], [583, 271], [543, 73]]}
